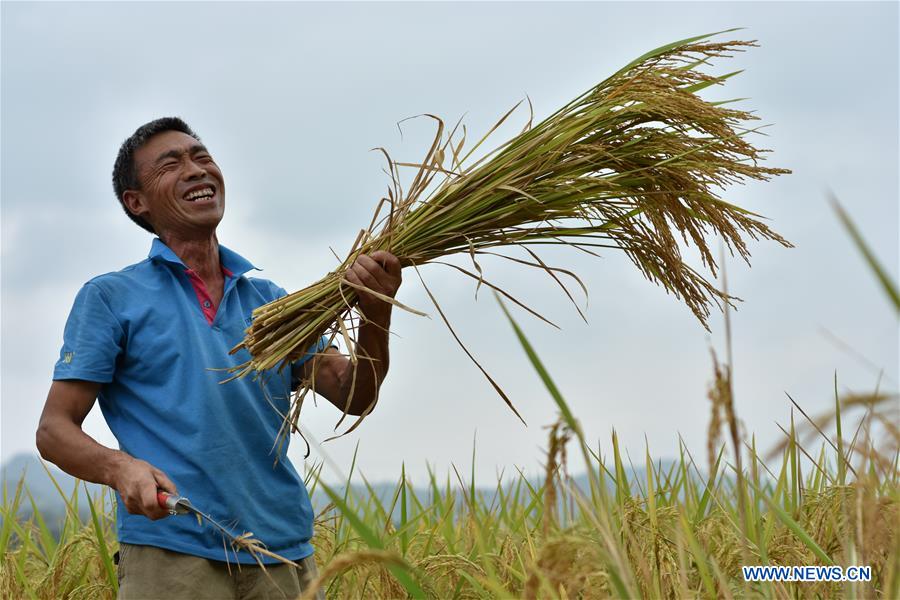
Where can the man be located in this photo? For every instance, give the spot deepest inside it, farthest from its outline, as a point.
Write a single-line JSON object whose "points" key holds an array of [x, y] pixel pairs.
{"points": [[146, 341]]}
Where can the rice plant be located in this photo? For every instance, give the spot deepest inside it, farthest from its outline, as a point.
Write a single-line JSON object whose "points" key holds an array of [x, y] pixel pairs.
{"points": [[635, 163]]}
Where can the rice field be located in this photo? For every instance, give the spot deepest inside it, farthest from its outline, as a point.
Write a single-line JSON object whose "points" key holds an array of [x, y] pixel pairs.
{"points": [[678, 530]]}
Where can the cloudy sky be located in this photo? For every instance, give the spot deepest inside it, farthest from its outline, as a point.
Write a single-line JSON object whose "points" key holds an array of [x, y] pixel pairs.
{"points": [[290, 97]]}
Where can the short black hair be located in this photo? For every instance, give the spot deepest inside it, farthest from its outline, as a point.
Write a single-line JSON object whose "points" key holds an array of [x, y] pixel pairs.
{"points": [[124, 175]]}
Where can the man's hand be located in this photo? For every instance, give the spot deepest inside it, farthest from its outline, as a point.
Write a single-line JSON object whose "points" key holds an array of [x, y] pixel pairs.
{"points": [[380, 272], [138, 481]]}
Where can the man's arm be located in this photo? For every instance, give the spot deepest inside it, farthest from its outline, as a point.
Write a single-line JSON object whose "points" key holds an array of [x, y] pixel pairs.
{"points": [[335, 375], [61, 440], [335, 372]]}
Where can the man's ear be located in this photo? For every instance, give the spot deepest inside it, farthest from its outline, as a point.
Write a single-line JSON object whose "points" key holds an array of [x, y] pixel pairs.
{"points": [[136, 203]]}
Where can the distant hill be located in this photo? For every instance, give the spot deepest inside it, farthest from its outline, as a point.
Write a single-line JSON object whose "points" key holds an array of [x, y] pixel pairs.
{"points": [[385, 491]]}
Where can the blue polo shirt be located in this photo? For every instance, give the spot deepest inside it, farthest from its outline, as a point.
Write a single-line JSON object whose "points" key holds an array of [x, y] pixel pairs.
{"points": [[149, 334]]}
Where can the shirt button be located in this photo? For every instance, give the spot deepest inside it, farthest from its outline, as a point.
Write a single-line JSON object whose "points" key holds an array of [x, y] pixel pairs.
{"points": [[207, 303]]}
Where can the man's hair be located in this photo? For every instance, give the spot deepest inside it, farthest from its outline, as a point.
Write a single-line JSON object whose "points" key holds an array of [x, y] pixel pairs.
{"points": [[124, 175]]}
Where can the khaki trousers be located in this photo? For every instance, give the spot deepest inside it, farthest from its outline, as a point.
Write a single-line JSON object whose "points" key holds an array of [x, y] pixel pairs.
{"points": [[147, 572]]}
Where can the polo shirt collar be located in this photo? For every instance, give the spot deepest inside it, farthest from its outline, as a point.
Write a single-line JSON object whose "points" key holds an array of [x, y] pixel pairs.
{"points": [[236, 264]]}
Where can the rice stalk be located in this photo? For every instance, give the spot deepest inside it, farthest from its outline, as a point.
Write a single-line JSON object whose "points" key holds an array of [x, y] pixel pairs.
{"points": [[635, 163], [345, 561]]}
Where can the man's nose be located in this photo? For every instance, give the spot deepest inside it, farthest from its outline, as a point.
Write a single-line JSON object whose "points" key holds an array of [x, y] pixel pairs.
{"points": [[194, 170]]}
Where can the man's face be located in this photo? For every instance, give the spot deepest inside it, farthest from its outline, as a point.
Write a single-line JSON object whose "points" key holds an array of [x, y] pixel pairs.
{"points": [[182, 189]]}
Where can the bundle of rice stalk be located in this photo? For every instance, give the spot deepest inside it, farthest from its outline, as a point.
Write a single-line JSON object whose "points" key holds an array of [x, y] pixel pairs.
{"points": [[633, 163]]}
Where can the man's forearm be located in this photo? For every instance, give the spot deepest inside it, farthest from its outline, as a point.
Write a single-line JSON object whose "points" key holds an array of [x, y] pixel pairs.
{"points": [[372, 366], [357, 385], [78, 454]]}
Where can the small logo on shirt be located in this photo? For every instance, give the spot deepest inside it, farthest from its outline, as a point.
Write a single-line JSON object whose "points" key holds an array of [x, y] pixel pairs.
{"points": [[68, 356]]}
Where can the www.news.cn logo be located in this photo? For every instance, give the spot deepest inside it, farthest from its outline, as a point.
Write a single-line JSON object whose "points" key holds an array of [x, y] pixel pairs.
{"points": [[807, 573]]}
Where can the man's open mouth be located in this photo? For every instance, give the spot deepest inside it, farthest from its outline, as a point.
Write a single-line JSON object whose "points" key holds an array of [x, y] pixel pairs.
{"points": [[201, 194]]}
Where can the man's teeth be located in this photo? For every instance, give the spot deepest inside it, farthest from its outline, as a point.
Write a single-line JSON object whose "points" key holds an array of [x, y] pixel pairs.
{"points": [[204, 193]]}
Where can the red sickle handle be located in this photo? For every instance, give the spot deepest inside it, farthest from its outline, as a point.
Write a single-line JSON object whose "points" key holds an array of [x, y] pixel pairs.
{"points": [[163, 499], [169, 502]]}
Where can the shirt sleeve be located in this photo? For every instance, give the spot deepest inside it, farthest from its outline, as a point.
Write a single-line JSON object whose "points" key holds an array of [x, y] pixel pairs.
{"points": [[92, 339]]}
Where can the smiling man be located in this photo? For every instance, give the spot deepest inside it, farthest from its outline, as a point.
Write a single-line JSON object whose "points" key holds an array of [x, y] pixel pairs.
{"points": [[145, 341]]}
